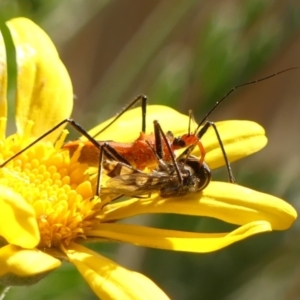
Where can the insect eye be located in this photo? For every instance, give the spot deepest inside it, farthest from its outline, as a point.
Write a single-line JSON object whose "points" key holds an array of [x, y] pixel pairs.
{"points": [[181, 143]]}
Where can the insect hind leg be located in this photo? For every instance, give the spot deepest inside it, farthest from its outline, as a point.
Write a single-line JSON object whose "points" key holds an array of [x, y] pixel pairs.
{"points": [[72, 122]]}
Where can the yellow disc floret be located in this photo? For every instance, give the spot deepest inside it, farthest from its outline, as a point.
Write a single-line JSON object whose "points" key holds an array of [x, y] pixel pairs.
{"points": [[59, 189]]}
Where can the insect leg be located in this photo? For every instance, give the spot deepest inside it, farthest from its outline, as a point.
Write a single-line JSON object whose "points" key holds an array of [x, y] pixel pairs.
{"points": [[143, 100], [40, 138], [227, 163], [200, 134], [104, 150], [158, 132], [77, 127], [100, 166]]}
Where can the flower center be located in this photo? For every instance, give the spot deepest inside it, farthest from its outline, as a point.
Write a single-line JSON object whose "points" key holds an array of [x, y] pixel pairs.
{"points": [[59, 188]]}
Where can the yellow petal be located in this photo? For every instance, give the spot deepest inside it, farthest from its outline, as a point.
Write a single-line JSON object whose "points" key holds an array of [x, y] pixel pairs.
{"points": [[109, 280], [3, 79], [178, 240], [240, 139], [18, 224], [225, 201], [24, 262], [44, 89], [168, 118]]}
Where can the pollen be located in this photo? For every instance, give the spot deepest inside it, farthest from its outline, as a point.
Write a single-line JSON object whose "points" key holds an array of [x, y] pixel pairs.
{"points": [[60, 189]]}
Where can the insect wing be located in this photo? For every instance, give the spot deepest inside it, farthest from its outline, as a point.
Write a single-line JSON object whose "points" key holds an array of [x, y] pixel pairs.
{"points": [[137, 184]]}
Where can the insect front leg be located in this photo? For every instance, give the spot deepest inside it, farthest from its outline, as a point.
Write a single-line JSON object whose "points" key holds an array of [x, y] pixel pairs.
{"points": [[227, 163]]}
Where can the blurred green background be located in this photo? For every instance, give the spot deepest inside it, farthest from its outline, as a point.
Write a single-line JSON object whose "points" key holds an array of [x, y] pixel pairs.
{"points": [[188, 54]]}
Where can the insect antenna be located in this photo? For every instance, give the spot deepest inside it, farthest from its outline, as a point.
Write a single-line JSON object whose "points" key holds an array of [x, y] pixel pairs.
{"points": [[239, 86]]}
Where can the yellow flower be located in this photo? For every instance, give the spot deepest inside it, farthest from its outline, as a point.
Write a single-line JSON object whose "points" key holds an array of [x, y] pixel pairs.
{"points": [[47, 204]]}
